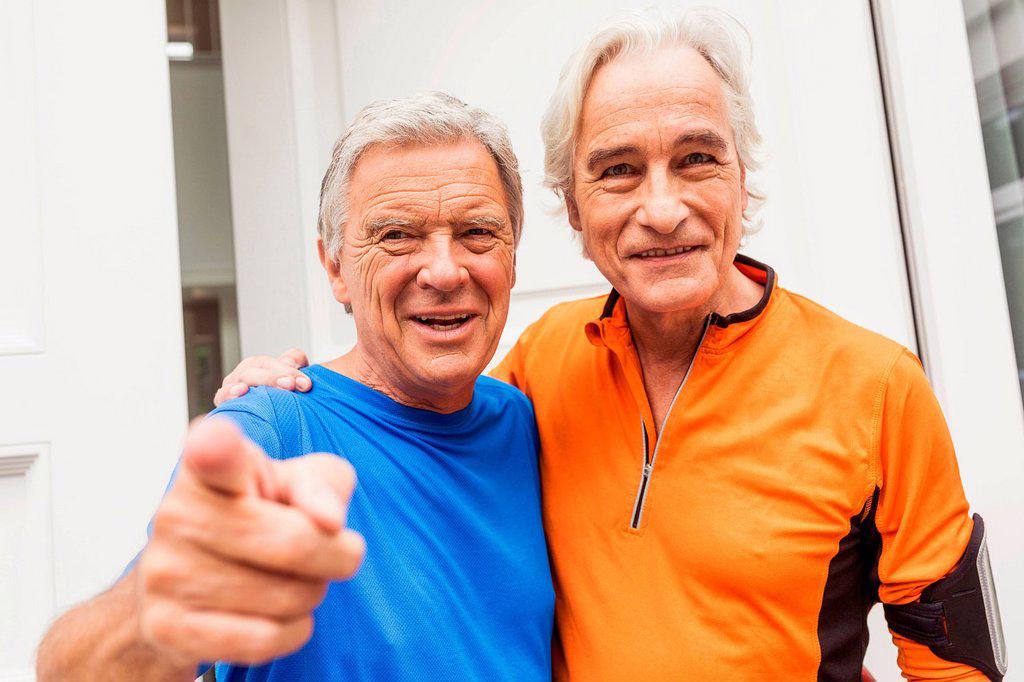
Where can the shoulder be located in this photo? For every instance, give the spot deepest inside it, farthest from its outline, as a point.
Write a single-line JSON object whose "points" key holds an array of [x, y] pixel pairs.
{"points": [[270, 417], [507, 412], [562, 324], [261, 402], [834, 337], [499, 395]]}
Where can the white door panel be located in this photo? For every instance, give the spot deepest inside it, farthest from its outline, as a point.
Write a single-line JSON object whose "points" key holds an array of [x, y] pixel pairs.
{"points": [[92, 400]]}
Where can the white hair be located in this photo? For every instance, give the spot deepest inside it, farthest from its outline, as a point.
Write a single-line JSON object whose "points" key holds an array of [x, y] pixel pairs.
{"points": [[722, 40], [425, 118]]}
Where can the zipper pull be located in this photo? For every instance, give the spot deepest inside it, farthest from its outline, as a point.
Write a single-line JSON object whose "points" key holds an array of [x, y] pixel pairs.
{"points": [[647, 470]]}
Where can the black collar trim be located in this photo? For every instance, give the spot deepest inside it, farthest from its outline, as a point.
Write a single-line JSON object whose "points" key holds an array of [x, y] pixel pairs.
{"points": [[750, 313], [609, 304], [744, 316]]}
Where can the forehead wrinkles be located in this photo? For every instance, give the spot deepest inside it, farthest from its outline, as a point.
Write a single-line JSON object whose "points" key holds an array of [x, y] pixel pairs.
{"points": [[404, 179], [435, 199], [665, 104]]}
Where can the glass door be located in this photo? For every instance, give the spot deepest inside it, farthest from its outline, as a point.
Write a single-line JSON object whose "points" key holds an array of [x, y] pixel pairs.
{"points": [[995, 31]]}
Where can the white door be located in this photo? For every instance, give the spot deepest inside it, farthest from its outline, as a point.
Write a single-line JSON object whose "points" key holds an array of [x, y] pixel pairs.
{"points": [[92, 398]]}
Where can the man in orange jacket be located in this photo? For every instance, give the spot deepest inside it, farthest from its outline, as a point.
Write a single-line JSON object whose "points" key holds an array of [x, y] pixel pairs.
{"points": [[732, 475]]}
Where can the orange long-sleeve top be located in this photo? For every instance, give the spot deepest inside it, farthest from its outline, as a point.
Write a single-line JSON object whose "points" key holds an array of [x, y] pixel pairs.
{"points": [[803, 472]]}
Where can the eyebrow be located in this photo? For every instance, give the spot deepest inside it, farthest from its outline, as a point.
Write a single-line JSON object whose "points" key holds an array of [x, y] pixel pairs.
{"points": [[378, 225], [485, 221], [598, 156], [703, 138], [706, 138]]}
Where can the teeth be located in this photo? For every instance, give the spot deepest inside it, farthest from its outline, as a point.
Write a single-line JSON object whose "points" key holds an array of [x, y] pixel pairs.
{"points": [[665, 252], [443, 322]]}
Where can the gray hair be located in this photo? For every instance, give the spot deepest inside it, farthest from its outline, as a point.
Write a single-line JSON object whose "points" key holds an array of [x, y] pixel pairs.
{"points": [[722, 40], [425, 118]]}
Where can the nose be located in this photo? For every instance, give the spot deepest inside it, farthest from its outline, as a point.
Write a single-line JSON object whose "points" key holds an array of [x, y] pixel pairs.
{"points": [[662, 207], [440, 268]]}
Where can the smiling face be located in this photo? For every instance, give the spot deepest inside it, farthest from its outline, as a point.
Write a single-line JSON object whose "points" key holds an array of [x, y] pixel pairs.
{"points": [[658, 191], [427, 265]]}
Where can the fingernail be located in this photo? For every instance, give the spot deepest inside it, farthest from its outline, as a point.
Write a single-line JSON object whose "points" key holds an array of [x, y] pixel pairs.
{"points": [[285, 382], [238, 389], [304, 383]]}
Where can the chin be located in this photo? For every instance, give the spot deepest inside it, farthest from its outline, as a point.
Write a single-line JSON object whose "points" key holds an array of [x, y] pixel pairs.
{"points": [[671, 296], [451, 372]]}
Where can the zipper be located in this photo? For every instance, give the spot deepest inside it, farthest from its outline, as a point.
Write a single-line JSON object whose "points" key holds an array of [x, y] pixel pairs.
{"points": [[651, 458], [645, 476]]}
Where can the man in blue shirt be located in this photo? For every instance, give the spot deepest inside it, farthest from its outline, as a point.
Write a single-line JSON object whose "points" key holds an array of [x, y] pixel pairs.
{"points": [[254, 555]]}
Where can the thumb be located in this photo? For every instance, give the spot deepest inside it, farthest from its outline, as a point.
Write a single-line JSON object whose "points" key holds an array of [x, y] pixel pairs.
{"points": [[219, 457], [320, 485]]}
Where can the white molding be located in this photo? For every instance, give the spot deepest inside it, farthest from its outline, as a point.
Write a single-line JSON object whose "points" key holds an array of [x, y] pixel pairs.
{"points": [[34, 605], [16, 463], [21, 263], [18, 344]]}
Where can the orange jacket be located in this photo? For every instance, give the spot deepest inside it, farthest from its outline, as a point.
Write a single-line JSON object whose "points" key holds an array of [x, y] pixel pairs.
{"points": [[804, 471]]}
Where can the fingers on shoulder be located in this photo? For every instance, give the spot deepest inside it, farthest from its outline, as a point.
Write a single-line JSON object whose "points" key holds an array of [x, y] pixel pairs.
{"points": [[295, 357]]}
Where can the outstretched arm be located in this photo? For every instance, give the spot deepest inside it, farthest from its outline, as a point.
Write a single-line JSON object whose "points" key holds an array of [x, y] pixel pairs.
{"points": [[234, 524], [100, 640]]}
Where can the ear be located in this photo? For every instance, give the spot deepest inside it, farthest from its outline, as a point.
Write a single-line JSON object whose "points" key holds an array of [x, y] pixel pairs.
{"points": [[573, 211], [338, 286], [515, 257]]}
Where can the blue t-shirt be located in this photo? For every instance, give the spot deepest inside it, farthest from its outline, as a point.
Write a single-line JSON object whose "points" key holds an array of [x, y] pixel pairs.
{"points": [[456, 583]]}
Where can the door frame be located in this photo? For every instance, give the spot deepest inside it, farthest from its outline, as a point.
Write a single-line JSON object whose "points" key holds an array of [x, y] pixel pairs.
{"points": [[954, 266]]}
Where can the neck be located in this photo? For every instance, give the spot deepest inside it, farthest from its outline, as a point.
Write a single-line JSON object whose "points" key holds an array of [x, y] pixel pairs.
{"points": [[671, 338], [357, 365]]}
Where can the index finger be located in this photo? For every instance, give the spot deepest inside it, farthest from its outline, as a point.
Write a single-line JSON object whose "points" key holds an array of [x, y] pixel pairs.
{"points": [[220, 458], [296, 357], [320, 484]]}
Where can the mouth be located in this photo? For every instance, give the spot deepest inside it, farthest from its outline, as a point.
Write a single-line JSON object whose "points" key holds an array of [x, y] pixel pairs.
{"points": [[444, 323], [666, 253]]}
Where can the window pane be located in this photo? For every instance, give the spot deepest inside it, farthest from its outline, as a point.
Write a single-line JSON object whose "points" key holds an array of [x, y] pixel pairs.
{"points": [[995, 29]]}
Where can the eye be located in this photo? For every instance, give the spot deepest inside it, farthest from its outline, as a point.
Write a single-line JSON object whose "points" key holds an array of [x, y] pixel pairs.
{"points": [[617, 170], [479, 232], [697, 159], [393, 235]]}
